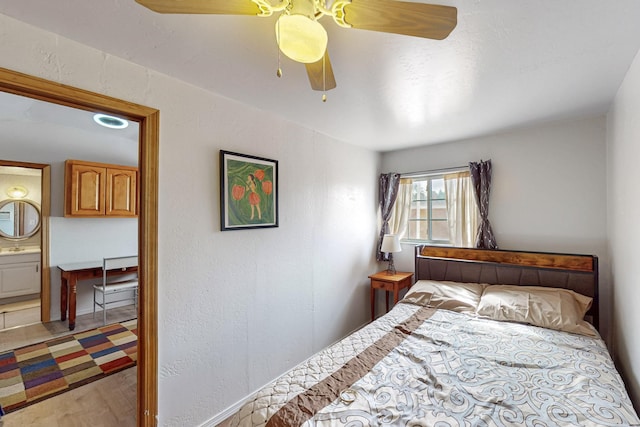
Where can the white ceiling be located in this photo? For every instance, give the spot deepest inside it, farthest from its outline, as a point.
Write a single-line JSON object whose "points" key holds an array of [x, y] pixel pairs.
{"points": [[38, 122], [507, 64]]}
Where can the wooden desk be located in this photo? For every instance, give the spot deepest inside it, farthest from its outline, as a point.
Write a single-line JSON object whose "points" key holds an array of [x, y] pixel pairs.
{"points": [[70, 275], [389, 283]]}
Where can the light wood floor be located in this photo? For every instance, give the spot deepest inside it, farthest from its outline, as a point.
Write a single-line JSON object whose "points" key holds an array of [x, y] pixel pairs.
{"points": [[109, 402], [25, 335], [104, 403]]}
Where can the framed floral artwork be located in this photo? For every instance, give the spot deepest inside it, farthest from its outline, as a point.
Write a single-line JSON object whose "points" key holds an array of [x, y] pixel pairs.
{"points": [[248, 191]]}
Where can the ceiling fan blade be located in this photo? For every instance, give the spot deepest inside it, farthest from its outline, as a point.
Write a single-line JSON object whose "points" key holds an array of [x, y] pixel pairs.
{"points": [[226, 7], [316, 72], [412, 19]]}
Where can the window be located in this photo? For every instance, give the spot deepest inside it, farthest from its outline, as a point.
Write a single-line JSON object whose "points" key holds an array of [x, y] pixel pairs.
{"points": [[428, 210], [436, 208]]}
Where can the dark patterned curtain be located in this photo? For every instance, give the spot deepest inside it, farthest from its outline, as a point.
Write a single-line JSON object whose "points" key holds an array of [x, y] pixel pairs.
{"points": [[481, 179], [387, 194]]}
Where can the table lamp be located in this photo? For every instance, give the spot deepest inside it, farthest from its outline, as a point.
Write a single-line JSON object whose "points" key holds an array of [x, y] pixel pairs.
{"points": [[390, 244]]}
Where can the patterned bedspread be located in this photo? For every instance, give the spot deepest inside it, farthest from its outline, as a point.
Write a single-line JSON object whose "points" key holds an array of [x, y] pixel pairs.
{"points": [[418, 366]]}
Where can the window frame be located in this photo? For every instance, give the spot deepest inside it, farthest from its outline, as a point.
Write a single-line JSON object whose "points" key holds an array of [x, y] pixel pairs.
{"points": [[429, 176], [429, 220]]}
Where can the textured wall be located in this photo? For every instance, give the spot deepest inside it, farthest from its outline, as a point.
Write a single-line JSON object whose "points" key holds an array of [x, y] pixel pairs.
{"points": [[623, 211], [236, 308]]}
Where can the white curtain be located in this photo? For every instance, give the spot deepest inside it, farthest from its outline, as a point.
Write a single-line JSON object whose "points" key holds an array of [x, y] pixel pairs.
{"points": [[400, 213], [462, 210]]}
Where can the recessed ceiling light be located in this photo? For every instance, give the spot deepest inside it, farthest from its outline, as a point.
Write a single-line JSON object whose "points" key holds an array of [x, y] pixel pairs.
{"points": [[110, 121]]}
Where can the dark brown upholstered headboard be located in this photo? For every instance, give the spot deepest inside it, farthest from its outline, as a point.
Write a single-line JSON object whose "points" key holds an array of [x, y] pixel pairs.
{"points": [[578, 273]]}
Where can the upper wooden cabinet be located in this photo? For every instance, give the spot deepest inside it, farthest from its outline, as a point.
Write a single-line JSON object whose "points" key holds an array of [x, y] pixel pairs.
{"points": [[100, 190]]}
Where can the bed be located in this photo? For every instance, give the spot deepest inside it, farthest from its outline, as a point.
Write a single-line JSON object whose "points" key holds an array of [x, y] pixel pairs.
{"points": [[483, 338]]}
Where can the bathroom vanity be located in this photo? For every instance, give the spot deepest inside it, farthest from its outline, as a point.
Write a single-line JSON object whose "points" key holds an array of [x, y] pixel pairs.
{"points": [[19, 277], [19, 273]]}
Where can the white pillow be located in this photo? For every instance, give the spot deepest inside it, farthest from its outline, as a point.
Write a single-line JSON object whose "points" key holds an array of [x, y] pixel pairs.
{"points": [[552, 308], [454, 296]]}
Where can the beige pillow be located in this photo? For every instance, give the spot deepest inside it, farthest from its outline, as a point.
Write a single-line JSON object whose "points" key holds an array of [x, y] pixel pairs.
{"points": [[552, 308], [454, 296]]}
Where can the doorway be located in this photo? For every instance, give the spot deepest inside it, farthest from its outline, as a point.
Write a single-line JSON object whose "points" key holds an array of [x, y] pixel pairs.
{"points": [[148, 119], [24, 244]]}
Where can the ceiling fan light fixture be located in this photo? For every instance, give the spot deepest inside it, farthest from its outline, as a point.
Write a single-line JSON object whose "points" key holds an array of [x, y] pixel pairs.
{"points": [[301, 38]]}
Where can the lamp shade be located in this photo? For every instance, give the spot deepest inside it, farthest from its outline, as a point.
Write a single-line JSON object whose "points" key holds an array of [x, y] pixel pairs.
{"points": [[301, 38], [390, 243]]}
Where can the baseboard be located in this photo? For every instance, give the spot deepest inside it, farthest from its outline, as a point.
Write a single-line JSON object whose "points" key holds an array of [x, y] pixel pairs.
{"points": [[222, 416]]}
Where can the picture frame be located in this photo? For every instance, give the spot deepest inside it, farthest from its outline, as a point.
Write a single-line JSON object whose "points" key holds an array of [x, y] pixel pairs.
{"points": [[248, 191]]}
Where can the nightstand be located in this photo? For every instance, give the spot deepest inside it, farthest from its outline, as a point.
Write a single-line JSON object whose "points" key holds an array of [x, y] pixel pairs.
{"points": [[389, 283]]}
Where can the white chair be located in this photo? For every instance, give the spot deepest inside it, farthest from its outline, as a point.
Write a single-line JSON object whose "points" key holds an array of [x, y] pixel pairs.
{"points": [[108, 288]]}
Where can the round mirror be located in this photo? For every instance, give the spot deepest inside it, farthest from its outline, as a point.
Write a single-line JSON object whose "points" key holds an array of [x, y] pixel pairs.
{"points": [[19, 219]]}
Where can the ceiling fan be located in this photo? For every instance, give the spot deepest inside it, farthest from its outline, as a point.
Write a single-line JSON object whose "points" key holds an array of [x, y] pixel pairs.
{"points": [[303, 39]]}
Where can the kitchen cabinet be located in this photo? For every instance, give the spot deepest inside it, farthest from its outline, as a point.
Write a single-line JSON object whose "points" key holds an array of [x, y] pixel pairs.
{"points": [[100, 190]]}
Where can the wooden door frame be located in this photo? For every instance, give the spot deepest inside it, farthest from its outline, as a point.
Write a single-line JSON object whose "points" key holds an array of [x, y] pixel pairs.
{"points": [[148, 155]]}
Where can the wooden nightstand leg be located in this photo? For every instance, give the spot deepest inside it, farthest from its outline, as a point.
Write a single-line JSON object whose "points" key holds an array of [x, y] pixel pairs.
{"points": [[386, 298], [373, 304]]}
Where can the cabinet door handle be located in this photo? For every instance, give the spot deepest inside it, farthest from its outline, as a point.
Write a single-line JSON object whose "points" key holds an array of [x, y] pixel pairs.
{"points": [[37, 268]]}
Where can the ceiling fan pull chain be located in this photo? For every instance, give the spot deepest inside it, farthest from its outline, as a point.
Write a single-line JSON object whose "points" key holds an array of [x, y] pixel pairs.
{"points": [[279, 71], [324, 79]]}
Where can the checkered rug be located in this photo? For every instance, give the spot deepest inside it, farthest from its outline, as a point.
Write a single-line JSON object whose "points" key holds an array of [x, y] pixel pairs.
{"points": [[39, 371]]}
